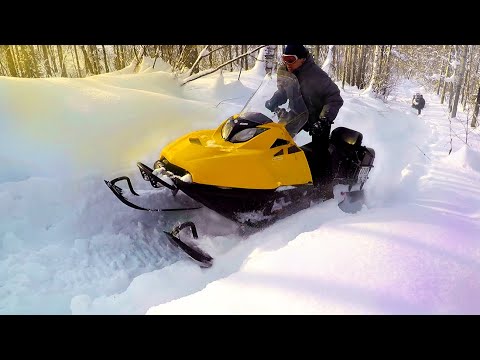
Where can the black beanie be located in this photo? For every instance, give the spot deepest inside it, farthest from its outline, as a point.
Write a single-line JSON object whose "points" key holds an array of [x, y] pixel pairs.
{"points": [[299, 50]]}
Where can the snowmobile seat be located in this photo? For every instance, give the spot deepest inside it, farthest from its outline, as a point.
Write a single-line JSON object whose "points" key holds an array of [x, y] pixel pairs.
{"points": [[345, 139], [347, 153]]}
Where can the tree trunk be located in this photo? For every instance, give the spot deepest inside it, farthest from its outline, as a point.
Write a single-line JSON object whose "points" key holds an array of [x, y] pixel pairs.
{"points": [[246, 57], [380, 61], [375, 68], [333, 66], [91, 53], [466, 84], [450, 97], [20, 62], [10, 62], [3, 69], [78, 62], [105, 59], [447, 75], [349, 66], [123, 56], [33, 61], [358, 78], [27, 69], [441, 67], [364, 66], [46, 61], [475, 112], [339, 62], [62, 62], [97, 58], [462, 54], [388, 53], [88, 64], [270, 51], [463, 99], [386, 70], [345, 62], [117, 61], [353, 64], [52, 58]]}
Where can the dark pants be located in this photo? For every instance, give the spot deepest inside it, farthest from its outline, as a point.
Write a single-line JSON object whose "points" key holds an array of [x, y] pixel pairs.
{"points": [[322, 167]]}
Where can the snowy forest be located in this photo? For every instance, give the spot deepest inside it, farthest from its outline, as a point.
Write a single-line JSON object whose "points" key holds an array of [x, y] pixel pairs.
{"points": [[75, 117], [452, 71]]}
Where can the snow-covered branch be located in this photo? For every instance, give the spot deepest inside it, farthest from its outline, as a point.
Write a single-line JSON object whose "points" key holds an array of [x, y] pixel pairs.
{"points": [[210, 71]]}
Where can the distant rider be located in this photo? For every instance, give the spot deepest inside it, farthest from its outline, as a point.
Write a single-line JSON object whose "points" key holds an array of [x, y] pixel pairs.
{"points": [[418, 102]]}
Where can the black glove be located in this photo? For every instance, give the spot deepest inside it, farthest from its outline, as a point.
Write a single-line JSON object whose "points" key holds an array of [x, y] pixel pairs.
{"points": [[270, 105], [320, 126], [282, 113]]}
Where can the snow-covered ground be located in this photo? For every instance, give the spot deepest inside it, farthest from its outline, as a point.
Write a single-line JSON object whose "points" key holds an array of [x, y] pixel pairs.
{"points": [[68, 246]]}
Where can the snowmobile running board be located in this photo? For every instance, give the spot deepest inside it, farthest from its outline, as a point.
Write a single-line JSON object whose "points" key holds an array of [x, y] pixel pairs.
{"points": [[118, 193], [191, 250]]}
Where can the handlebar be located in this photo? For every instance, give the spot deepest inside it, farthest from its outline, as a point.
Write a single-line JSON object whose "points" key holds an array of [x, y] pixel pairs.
{"points": [[280, 112]]}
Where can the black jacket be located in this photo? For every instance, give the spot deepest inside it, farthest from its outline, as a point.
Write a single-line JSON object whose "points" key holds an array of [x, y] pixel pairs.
{"points": [[320, 93], [418, 102]]}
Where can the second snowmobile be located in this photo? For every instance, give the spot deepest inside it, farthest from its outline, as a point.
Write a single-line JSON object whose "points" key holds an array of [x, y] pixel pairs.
{"points": [[250, 168]]}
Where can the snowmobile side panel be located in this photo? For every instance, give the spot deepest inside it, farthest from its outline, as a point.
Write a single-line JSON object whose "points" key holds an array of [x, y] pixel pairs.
{"points": [[233, 203]]}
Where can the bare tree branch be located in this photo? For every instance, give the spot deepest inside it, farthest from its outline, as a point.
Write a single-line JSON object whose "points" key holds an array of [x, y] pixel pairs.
{"points": [[202, 54], [210, 71]]}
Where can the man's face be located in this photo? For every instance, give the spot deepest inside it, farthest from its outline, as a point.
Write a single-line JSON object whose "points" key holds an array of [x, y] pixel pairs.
{"points": [[292, 62]]}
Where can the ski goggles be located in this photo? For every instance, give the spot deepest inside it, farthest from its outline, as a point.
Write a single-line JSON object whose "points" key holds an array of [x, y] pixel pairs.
{"points": [[289, 59]]}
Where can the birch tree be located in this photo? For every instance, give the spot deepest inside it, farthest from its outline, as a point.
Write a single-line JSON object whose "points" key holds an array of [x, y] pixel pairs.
{"points": [[375, 68], [475, 111], [446, 82], [462, 55]]}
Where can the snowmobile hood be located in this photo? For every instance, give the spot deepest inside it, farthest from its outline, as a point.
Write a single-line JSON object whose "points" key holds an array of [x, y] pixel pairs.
{"points": [[267, 160]]}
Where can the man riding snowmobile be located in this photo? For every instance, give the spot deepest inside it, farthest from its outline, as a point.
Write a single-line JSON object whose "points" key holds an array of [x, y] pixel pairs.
{"points": [[250, 169], [323, 100]]}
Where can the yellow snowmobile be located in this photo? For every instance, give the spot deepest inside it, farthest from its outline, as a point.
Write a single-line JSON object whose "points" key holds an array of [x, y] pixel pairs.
{"points": [[250, 169]]}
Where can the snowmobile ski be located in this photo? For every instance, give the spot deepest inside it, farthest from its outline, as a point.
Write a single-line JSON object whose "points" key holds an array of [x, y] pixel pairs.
{"points": [[155, 181], [118, 193], [191, 250]]}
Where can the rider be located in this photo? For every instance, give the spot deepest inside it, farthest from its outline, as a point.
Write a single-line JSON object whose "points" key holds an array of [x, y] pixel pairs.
{"points": [[418, 102], [323, 100]]}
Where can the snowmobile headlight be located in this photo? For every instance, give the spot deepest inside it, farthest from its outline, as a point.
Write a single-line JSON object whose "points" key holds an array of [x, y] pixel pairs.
{"points": [[246, 134], [227, 129]]}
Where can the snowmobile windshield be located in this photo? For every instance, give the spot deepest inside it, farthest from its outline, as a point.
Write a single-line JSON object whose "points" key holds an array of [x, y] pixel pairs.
{"points": [[282, 90], [243, 127]]}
